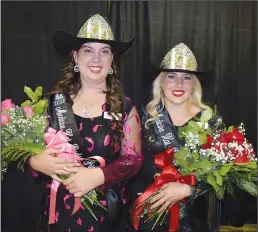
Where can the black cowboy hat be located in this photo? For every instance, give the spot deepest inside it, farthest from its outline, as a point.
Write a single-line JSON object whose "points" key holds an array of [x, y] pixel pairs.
{"points": [[95, 29], [175, 64]]}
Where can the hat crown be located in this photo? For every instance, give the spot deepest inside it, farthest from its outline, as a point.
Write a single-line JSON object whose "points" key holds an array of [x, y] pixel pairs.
{"points": [[96, 27], [180, 57]]}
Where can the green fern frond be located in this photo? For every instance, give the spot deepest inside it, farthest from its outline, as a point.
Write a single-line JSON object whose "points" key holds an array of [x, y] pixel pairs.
{"points": [[19, 152]]}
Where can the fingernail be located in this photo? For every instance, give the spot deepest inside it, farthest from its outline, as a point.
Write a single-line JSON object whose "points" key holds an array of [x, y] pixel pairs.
{"points": [[61, 149]]}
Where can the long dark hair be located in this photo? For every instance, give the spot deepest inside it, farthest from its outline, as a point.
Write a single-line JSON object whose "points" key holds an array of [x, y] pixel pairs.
{"points": [[70, 84]]}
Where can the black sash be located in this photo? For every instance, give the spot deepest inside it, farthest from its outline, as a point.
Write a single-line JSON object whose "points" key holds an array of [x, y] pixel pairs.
{"points": [[164, 131], [62, 118]]}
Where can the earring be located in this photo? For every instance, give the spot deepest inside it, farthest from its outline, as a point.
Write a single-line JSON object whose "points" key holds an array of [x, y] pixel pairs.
{"points": [[193, 91], [76, 68], [110, 71]]}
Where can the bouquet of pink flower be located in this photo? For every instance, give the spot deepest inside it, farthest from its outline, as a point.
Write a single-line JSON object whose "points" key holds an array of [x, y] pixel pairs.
{"points": [[23, 128], [25, 133]]}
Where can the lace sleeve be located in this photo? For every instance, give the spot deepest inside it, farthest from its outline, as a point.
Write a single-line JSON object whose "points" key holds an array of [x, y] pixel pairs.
{"points": [[131, 158]]}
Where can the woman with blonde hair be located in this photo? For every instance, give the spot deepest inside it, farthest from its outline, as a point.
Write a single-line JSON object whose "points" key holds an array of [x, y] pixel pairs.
{"points": [[176, 99]]}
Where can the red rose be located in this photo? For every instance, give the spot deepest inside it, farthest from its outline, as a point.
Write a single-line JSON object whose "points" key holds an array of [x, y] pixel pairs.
{"points": [[241, 159], [235, 136], [234, 151], [209, 140], [223, 138]]}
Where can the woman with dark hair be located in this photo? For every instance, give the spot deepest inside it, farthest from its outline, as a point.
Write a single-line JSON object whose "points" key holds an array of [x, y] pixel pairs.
{"points": [[176, 100], [89, 105]]}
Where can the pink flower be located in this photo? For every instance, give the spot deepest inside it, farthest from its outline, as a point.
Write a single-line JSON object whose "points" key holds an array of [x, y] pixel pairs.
{"points": [[102, 218], [67, 206], [103, 202], [127, 129], [4, 119], [91, 229], [28, 111], [95, 128], [91, 142], [106, 140], [79, 221], [7, 105]]}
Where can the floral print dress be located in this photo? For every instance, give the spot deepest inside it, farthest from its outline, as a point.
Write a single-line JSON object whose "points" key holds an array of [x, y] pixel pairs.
{"points": [[121, 164]]}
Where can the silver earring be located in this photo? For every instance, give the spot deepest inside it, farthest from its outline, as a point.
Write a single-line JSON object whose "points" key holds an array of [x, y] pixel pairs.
{"points": [[110, 71], [76, 68]]}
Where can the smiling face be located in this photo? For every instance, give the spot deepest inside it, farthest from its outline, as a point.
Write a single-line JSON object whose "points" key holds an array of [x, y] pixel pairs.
{"points": [[177, 87], [94, 61]]}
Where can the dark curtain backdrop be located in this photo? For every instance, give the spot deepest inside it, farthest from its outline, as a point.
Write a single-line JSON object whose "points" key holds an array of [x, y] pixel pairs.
{"points": [[221, 35]]}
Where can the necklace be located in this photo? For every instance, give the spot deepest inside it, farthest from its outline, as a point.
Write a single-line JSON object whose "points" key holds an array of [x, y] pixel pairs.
{"points": [[87, 111]]}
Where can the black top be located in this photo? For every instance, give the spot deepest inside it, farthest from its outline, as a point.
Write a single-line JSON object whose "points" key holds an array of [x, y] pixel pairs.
{"points": [[152, 145]]}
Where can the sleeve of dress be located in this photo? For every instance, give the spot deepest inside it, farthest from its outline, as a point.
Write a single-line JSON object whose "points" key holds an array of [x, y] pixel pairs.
{"points": [[130, 160]]}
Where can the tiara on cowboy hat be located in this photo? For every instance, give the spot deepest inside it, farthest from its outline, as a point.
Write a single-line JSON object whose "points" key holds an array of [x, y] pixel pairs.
{"points": [[181, 59], [95, 29]]}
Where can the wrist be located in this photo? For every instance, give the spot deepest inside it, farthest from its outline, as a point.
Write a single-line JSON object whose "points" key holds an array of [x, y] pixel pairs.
{"points": [[31, 161], [100, 178], [187, 190]]}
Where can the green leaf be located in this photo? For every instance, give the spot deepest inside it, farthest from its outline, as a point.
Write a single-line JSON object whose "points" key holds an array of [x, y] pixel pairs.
{"points": [[196, 156], [206, 115], [252, 165], [230, 129], [202, 138], [26, 103], [41, 106], [30, 94], [219, 179], [180, 154], [184, 172], [247, 186], [38, 91], [33, 147], [180, 158], [225, 169], [204, 165], [208, 131], [191, 126], [218, 189], [230, 189]]}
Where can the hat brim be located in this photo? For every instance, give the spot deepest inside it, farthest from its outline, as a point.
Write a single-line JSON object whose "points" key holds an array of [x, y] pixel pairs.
{"points": [[64, 43], [151, 72], [185, 71]]}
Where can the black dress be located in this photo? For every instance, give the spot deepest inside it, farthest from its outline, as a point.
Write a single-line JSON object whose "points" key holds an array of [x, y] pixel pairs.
{"points": [[97, 136], [192, 214]]}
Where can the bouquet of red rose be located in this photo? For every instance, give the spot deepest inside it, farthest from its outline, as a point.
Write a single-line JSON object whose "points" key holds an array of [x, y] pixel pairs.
{"points": [[220, 156], [25, 133]]}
